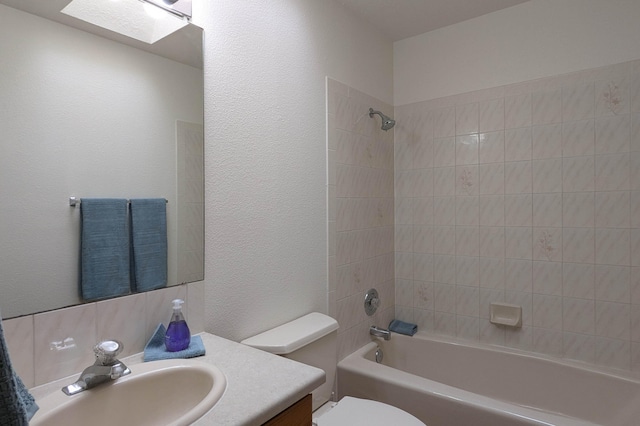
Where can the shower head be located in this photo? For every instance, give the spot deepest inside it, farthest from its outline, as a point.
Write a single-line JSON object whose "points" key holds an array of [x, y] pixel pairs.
{"points": [[387, 122]]}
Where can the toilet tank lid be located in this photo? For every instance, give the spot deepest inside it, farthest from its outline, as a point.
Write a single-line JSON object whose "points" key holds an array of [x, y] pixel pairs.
{"points": [[293, 335]]}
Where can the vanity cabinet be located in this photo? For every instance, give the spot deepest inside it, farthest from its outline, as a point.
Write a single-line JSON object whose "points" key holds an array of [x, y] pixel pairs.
{"points": [[298, 414]]}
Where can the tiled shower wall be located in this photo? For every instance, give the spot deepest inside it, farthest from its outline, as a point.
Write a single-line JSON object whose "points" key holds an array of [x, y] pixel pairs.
{"points": [[360, 212], [527, 194]]}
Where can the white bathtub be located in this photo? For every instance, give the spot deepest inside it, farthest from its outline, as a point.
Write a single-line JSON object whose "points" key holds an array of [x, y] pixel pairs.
{"points": [[449, 382]]}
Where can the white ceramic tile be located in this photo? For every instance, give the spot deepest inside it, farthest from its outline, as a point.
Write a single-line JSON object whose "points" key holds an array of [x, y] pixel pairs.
{"points": [[518, 177], [467, 180], [578, 315], [547, 175], [405, 184], [548, 342], [404, 292], [467, 328], [613, 320], [613, 283], [444, 269], [518, 210], [579, 347], [18, 335], [444, 181], [634, 164], [578, 245], [52, 329], [519, 338], [491, 148], [444, 297], [578, 174], [578, 101], [612, 96], [613, 353], [492, 273], [517, 111], [404, 152], [423, 211], [124, 319], [635, 247], [547, 210], [444, 122], [403, 211], [635, 133], [423, 154], [467, 271], [517, 144], [491, 115], [578, 138], [518, 242], [612, 209], [492, 241], [612, 172], [546, 141], [491, 334], [467, 301], [518, 275], [635, 92], [488, 296], [491, 210], [547, 244], [467, 149], [444, 323], [578, 280], [613, 246], [467, 240], [547, 278], [547, 311], [403, 238], [491, 178], [422, 267], [444, 152], [467, 211], [467, 119], [404, 266], [547, 107], [444, 211], [444, 240], [613, 134], [578, 209]]}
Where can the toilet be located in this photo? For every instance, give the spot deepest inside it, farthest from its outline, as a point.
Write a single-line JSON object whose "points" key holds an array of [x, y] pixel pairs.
{"points": [[312, 340]]}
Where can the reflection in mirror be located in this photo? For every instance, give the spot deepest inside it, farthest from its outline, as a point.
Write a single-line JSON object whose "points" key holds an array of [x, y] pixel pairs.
{"points": [[89, 117]]}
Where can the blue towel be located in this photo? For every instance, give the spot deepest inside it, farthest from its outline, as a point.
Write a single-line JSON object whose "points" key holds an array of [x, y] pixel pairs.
{"points": [[156, 350], [17, 405], [149, 241], [105, 248], [402, 327]]}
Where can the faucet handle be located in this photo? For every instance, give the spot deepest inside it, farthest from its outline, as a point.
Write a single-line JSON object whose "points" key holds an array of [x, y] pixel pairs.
{"points": [[107, 350]]}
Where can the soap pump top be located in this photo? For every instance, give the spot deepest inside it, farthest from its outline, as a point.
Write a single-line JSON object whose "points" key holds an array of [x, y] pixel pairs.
{"points": [[178, 336]]}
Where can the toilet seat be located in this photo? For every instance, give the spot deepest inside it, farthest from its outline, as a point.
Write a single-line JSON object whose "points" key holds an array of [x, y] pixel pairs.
{"points": [[363, 412]]}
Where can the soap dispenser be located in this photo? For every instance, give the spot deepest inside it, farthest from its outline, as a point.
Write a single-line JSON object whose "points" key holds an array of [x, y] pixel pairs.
{"points": [[178, 336]]}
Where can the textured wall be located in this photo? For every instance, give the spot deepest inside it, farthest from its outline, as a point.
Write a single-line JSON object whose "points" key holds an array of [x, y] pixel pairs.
{"points": [[265, 152], [539, 38]]}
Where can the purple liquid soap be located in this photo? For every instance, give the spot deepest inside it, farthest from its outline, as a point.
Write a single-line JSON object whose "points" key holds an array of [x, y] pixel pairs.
{"points": [[178, 336]]}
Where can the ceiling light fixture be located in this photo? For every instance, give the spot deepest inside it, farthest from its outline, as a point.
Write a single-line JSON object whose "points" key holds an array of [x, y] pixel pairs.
{"points": [[129, 17]]}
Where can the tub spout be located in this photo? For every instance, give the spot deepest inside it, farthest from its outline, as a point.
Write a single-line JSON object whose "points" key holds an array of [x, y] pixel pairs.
{"points": [[380, 332]]}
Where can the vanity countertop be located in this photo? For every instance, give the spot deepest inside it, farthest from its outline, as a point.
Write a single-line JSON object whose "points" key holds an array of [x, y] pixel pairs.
{"points": [[259, 385]]}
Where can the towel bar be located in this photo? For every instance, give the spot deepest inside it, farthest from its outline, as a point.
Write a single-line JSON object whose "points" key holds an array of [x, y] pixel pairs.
{"points": [[75, 201]]}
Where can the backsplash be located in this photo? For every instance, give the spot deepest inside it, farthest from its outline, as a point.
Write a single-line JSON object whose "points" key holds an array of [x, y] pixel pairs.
{"points": [[360, 213], [55, 344], [527, 194]]}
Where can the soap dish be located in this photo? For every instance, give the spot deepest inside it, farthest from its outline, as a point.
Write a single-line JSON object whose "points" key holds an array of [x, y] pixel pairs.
{"points": [[506, 314]]}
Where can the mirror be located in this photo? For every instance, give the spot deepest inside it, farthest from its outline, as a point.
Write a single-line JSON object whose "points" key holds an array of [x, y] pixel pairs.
{"points": [[86, 116]]}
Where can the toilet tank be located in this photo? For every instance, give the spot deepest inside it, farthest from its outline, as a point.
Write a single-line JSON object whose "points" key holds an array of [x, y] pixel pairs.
{"points": [[311, 340]]}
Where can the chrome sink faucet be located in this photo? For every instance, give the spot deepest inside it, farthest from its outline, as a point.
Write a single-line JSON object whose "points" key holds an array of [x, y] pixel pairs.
{"points": [[380, 332], [105, 369]]}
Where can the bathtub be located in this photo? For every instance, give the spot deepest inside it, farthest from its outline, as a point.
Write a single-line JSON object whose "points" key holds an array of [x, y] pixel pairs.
{"points": [[448, 382]]}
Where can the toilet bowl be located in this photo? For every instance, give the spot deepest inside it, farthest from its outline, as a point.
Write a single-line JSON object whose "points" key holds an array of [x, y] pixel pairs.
{"points": [[312, 340]]}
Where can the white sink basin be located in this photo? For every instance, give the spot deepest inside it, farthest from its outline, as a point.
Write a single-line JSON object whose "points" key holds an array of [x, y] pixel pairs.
{"points": [[170, 392]]}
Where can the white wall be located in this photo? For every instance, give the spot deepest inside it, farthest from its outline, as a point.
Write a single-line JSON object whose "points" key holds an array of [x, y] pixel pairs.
{"points": [[536, 39], [79, 115], [265, 152]]}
